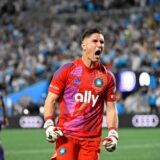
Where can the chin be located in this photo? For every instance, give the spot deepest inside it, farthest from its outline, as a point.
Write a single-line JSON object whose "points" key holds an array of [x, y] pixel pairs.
{"points": [[97, 59]]}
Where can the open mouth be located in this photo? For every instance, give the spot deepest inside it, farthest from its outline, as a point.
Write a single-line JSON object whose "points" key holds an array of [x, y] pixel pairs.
{"points": [[98, 53]]}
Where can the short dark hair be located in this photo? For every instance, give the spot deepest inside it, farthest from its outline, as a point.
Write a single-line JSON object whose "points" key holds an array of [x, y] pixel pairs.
{"points": [[89, 32]]}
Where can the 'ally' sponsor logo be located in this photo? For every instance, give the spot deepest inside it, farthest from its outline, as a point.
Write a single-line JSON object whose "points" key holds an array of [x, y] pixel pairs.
{"points": [[87, 97]]}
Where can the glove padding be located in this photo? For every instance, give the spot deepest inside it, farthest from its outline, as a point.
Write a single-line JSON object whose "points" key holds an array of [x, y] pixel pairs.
{"points": [[52, 132], [110, 142]]}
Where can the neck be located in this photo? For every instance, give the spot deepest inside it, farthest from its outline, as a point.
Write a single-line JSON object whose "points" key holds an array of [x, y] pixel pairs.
{"points": [[88, 62]]}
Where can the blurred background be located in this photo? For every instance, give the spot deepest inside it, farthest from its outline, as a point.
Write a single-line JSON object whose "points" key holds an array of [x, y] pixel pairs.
{"points": [[38, 36]]}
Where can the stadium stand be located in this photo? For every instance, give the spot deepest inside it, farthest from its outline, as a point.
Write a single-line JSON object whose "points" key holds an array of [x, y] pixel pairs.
{"points": [[37, 37]]}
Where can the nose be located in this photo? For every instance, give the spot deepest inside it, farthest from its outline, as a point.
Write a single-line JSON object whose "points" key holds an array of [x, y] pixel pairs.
{"points": [[100, 45]]}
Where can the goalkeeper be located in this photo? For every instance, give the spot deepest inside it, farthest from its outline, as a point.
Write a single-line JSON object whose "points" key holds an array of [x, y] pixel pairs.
{"points": [[80, 88]]}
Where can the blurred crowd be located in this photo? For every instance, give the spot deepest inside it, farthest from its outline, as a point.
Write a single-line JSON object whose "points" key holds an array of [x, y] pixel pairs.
{"points": [[37, 37]]}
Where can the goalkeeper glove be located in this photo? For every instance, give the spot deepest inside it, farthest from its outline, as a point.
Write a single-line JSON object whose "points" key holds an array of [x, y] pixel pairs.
{"points": [[110, 142], [52, 132]]}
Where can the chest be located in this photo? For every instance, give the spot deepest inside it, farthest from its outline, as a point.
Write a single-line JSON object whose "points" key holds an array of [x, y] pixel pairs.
{"points": [[94, 81]]}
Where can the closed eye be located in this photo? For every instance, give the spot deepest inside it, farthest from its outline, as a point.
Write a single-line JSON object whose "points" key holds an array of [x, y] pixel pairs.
{"points": [[95, 41], [102, 42]]}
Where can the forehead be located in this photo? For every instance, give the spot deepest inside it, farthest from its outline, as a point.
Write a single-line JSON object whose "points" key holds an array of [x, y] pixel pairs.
{"points": [[97, 36]]}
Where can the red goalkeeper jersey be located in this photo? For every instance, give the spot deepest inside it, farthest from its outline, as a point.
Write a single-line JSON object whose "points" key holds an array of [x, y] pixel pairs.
{"points": [[82, 93]]}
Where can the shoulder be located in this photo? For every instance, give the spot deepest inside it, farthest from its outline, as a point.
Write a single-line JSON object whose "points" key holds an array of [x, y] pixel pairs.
{"points": [[64, 69], [108, 72], [66, 66], [71, 64]]}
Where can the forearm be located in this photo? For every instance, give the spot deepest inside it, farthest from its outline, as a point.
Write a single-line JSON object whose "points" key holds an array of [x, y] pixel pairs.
{"points": [[110, 142], [52, 132], [50, 106], [112, 115]]}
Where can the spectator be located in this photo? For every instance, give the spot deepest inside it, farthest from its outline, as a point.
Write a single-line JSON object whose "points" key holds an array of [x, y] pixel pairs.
{"points": [[3, 121], [153, 102]]}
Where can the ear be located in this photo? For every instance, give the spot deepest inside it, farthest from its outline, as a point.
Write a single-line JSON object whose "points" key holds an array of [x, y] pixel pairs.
{"points": [[83, 45]]}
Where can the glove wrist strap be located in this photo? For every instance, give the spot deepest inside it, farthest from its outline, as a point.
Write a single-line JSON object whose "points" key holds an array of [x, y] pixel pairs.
{"points": [[113, 128], [48, 118]]}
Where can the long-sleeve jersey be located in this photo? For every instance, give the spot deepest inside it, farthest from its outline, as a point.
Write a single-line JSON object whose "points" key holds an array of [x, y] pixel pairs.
{"points": [[82, 92]]}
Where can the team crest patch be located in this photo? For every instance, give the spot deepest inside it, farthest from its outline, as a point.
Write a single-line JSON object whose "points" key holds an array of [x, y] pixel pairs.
{"points": [[62, 150], [98, 82]]}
